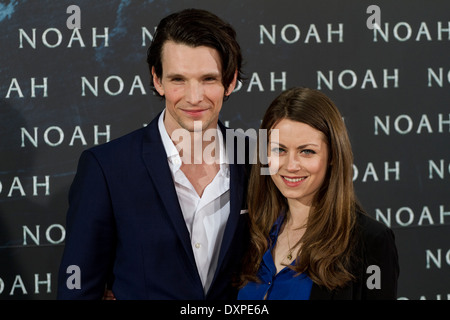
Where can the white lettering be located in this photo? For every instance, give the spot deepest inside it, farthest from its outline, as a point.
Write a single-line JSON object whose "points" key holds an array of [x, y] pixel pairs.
{"points": [[291, 33], [348, 79], [49, 234], [405, 216], [54, 136], [404, 124], [402, 31]]}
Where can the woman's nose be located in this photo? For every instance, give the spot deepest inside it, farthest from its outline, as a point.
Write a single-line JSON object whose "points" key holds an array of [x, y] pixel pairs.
{"points": [[293, 164]]}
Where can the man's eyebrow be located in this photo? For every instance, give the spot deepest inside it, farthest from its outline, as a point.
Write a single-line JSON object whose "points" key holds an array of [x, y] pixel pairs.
{"points": [[206, 75], [174, 75], [212, 74]]}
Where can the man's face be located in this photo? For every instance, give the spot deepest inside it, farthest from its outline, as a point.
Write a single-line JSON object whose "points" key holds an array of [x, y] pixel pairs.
{"points": [[191, 83]]}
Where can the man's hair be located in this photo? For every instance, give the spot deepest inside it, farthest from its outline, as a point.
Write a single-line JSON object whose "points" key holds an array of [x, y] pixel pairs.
{"points": [[194, 28]]}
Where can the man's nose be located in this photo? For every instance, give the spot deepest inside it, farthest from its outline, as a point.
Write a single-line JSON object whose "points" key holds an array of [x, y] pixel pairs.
{"points": [[194, 93]]}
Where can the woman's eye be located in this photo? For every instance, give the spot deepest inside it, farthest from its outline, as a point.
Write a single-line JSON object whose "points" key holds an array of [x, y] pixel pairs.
{"points": [[308, 151], [277, 150]]}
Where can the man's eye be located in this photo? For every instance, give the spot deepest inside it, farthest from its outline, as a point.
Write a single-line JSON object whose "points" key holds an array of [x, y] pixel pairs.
{"points": [[176, 79]]}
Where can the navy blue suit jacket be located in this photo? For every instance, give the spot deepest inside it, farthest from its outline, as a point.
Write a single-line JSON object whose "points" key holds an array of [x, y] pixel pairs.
{"points": [[125, 225]]}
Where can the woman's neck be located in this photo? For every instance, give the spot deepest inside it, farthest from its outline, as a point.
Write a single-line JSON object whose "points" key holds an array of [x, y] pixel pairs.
{"points": [[298, 214]]}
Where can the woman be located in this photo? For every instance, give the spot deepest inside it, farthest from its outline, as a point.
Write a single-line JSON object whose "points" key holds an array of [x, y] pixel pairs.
{"points": [[310, 239]]}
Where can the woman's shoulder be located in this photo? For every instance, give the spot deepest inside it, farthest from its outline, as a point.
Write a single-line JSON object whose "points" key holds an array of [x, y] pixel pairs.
{"points": [[372, 230]]}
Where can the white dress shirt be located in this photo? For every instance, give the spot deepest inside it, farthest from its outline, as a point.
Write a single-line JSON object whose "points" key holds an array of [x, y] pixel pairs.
{"points": [[205, 216]]}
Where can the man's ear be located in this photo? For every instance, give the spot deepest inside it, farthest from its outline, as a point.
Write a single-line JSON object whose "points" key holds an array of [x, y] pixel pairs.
{"points": [[232, 85], [157, 83]]}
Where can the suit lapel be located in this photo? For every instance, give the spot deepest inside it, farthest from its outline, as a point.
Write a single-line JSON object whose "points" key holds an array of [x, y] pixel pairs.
{"points": [[237, 176], [155, 160]]}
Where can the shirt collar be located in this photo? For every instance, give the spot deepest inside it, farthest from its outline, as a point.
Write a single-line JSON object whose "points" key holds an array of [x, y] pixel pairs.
{"points": [[170, 148], [275, 230]]}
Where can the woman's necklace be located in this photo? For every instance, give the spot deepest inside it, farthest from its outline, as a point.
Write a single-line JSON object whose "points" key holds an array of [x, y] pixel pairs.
{"points": [[289, 256]]}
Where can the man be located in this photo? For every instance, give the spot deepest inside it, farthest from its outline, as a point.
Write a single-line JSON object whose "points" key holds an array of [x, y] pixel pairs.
{"points": [[148, 213]]}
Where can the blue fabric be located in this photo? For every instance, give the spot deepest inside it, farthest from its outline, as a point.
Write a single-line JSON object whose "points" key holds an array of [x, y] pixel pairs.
{"points": [[286, 285]]}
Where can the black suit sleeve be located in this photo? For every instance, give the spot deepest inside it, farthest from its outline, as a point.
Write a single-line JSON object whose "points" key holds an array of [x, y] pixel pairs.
{"points": [[381, 263], [90, 237]]}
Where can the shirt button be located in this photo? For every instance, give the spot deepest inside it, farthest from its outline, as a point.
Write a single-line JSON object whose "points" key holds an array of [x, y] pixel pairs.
{"points": [[198, 245]]}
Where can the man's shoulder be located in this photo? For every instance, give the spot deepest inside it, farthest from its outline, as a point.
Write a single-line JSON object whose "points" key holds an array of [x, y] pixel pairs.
{"points": [[128, 141], [124, 142], [241, 145]]}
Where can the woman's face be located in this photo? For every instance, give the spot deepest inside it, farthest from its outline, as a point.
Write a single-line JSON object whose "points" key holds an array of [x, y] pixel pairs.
{"points": [[298, 161]]}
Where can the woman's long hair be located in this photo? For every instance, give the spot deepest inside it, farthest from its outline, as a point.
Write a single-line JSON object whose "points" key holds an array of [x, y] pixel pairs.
{"points": [[326, 246]]}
